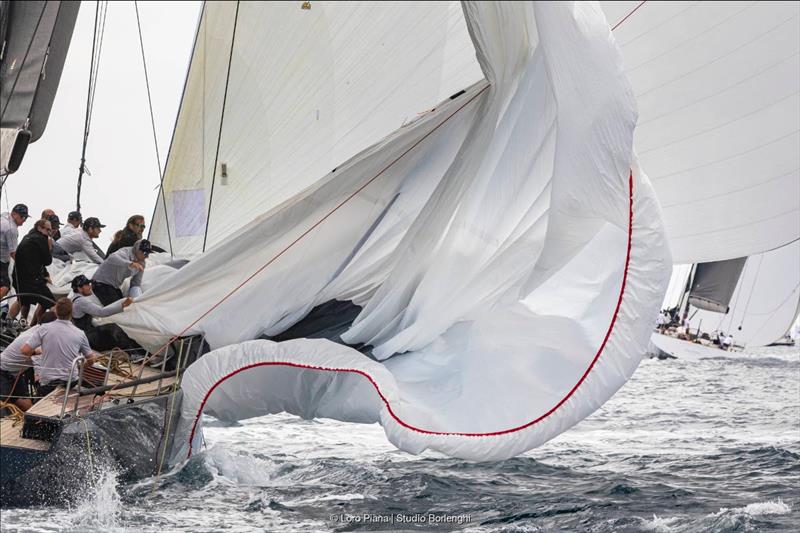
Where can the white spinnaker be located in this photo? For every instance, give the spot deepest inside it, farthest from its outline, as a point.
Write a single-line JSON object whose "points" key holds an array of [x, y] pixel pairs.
{"points": [[308, 89], [718, 90], [521, 199], [766, 301]]}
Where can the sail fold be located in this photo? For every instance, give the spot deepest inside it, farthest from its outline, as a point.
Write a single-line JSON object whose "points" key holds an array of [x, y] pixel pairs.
{"points": [[503, 251]]}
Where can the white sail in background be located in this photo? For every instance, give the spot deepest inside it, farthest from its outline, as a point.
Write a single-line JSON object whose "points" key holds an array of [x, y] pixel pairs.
{"points": [[303, 96], [766, 301], [718, 90], [505, 249]]}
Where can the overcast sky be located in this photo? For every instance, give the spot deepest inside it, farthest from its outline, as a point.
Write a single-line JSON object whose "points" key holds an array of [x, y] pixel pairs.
{"points": [[120, 153]]}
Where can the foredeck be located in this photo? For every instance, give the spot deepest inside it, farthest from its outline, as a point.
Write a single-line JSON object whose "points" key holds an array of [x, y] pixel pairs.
{"points": [[50, 406]]}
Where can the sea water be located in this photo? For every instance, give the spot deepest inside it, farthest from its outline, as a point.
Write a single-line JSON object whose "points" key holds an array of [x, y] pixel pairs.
{"points": [[710, 445]]}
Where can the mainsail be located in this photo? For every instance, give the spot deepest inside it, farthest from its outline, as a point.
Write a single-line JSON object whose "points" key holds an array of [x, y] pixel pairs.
{"points": [[494, 231], [34, 39], [267, 113], [718, 90]]}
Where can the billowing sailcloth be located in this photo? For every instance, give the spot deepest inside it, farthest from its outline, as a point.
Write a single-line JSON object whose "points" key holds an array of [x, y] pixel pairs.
{"points": [[477, 279]]}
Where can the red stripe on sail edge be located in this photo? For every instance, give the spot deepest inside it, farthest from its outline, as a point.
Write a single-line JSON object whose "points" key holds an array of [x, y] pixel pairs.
{"points": [[445, 433]]}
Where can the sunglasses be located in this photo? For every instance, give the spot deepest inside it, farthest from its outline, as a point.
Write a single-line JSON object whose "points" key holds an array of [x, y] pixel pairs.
{"points": [[142, 225]]}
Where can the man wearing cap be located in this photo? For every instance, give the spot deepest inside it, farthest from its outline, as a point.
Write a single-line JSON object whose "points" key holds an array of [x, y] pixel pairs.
{"points": [[9, 235], [128, 262], [81, 241], [74, 220], [85, 307], [55, 223], [61, 342]]}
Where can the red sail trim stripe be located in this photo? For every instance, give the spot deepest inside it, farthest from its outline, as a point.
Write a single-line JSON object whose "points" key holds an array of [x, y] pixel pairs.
{"points": [[448, 433]]}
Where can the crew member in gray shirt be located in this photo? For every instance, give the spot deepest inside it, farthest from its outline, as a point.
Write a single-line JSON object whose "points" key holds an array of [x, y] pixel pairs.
{"points": [[61, 342], [81, 240], [9, 237], [128, 262], [85, 307], [16, 375]]}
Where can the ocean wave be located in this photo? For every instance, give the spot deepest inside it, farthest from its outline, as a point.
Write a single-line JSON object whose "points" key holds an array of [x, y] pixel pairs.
{"points": [[771, 507]]}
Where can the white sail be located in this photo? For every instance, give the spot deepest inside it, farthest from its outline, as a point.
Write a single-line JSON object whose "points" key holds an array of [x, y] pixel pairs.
{"points": [[505, 248], [765, 303], [718, 89], [302, 97]]}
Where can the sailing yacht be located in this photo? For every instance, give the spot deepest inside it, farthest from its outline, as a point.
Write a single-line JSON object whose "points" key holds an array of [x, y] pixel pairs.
{"points": [[436, 216]]}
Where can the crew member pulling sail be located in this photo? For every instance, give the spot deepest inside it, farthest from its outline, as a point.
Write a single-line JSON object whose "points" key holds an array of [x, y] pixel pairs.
{"points": [[84, 309], [81, 240], [128, 262]]}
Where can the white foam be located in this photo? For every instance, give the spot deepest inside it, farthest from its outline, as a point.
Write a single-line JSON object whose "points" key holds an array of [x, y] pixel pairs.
{"points": [[771, 507], [767, 508], [660, 525], [100, 511], [327, 497]]}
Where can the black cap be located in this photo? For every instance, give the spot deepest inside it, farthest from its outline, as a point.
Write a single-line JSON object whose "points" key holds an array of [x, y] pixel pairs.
{"points": [[75, 215], [54, 221], [79, 281], [92, 222], [143, 246], [21, 210]]}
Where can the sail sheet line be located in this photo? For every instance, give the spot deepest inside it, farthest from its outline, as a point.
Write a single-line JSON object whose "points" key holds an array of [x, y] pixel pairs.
{"points": [[319, 222], [618, 24]]}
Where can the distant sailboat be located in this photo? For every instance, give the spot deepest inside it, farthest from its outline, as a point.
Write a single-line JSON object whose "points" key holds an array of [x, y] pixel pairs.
{"points": [[718, 90]]}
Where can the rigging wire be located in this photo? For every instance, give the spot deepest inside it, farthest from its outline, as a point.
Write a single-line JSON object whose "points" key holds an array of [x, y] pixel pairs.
{"points": [[100, 12], [221, 122], [774, 311], [752, 290], [152, 121], [738, 295]]}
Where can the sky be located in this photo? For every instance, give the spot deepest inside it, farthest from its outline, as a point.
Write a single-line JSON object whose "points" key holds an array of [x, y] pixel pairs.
{"points": [[120, 154]]}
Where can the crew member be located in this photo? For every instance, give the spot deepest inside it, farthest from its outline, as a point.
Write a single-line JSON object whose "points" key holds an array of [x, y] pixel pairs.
{"points": [[128, 262], [84, 308], [30, 271], [55, 223], [727, 342], [9, 236], [60, 342], [81, 241], [128, 235], [74, 220], [16, 369]]}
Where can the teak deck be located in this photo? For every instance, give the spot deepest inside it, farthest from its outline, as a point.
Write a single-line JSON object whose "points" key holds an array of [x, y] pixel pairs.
{"points": [[50, 406]]}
